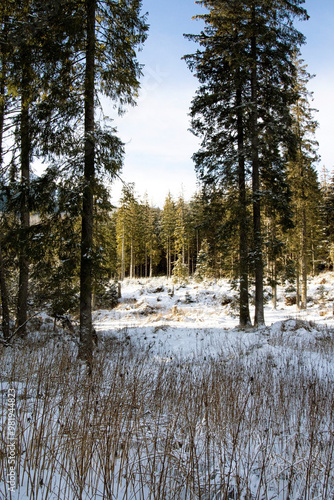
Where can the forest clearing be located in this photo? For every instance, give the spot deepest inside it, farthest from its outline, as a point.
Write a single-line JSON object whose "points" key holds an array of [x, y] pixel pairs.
{"points": [[174, 351], [181, 403]]}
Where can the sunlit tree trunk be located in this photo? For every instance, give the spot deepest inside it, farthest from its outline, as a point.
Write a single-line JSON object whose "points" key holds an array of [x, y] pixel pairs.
{"points": [[303, 304], [297, 285]]}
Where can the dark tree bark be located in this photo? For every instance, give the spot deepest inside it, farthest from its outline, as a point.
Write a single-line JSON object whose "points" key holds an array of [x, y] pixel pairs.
{"points": [[22, 302], [86, 330], [3, 285], [4, 299], [258, 260], [244, 316]]}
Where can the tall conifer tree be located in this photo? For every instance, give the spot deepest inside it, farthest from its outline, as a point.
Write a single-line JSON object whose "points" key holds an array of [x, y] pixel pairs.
{"points": [[246, 75], [168, 218], [58, 92], [113, 33], [36, 60], [303, 180]]}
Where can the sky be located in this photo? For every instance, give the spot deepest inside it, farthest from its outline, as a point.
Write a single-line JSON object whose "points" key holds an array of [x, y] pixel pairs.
{"points": [[158, 144]]}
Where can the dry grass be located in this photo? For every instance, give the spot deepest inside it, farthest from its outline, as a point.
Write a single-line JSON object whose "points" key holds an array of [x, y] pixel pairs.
{"points": [[237, 427]]}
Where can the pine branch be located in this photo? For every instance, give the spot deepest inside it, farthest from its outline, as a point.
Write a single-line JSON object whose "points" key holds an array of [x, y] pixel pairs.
{"points": [[5, 342]]}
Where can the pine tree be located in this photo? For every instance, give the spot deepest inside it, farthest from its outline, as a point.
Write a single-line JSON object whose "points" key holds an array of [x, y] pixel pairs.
{"points": [[180, 232], [328, 219], [203, 268], [151, 238], [216, 225], [3, 102], [168, 231], [303, 181], [246, 74], [35, 79], [113, 32], [130, 232]]}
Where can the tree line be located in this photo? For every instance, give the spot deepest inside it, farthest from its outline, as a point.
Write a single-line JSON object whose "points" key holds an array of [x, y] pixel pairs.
{"points": [[184, 239], [199, 238]]}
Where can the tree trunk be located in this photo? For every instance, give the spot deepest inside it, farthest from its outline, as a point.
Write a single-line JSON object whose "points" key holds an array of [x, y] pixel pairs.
{"points": [[151, 262], [22, 300], [303, 304], [4, 299], [131, 260], [123, 255], [244, 316], [313, 257], [168, 259], [86, 330], [273, 263], [297, 285], [2, 99], [259, 313], [3, 287], [274, 284]]}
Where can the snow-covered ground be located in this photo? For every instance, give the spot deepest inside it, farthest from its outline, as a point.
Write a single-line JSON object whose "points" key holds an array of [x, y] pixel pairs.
{"points": [[182, 404], [185, 321]]}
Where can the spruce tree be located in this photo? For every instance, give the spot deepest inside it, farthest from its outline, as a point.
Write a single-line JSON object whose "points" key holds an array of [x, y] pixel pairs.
{"points": [[4, 13], [180, 235], [168, 232], [36, 61], [151, 241], [87, 217], [203, 268], [217, 116], [24, 76], [195, 228], [327, 210], [113, 33], [246, 75], [130, 232], [304, 182], [87, 48]]}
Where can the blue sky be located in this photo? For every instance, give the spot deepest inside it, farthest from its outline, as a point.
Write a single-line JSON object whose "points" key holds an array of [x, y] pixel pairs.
{"points": [[158, 144]]}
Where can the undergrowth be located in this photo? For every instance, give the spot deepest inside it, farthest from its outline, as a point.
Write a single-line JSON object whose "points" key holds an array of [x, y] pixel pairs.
{"points": [[233, 427]]}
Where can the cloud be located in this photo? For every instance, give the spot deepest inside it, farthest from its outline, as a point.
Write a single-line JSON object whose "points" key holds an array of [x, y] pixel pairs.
{"points": [[323, 101], [158, 144]]}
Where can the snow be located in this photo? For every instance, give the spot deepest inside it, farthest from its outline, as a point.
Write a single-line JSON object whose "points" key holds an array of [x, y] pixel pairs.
{"points": [[187, 321], [184, 404]]}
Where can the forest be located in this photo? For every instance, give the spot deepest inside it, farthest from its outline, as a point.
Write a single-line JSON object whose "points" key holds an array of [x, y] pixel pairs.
{"points": [[176, 352], [260, 215]]}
